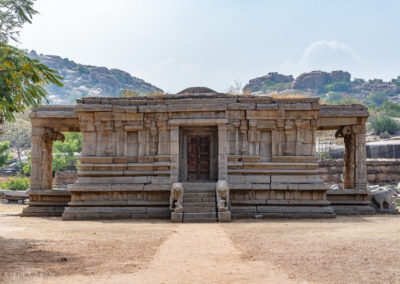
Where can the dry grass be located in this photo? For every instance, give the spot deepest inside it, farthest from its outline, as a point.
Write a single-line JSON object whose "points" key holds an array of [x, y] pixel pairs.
{"points": [[345, 250], [288, 96]]}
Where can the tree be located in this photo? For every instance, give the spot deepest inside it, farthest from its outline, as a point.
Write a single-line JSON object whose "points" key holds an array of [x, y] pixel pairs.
{"points": [[236, 89], [378, 98], [396, 81], [64, 152], [22, 79], [13, 15], [382, 123], [18, 133], [4, 153]]}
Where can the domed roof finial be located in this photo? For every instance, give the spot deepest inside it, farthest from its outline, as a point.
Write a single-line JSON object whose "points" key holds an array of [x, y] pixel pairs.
{"points": [[197, 90]]}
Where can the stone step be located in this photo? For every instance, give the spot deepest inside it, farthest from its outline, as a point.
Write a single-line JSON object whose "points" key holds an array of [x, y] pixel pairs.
{"points": [[199, 204], [199, 185], [200, 191], [199, 199], [188, 216], [201, 194], [199, 209], [200, 220]]}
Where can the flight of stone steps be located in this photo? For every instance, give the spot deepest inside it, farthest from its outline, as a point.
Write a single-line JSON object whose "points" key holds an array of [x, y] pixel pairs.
{"points": [[199, 202]]}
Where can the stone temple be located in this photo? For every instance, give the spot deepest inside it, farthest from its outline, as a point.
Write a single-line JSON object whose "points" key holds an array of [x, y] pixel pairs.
{"points": [[198, 156]]}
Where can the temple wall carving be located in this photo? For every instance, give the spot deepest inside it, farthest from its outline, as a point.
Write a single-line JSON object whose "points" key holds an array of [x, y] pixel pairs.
{"points": [[134, 149]]}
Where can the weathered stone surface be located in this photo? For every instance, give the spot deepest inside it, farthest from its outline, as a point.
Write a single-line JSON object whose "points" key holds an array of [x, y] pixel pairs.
{"points": [[176, 217], [135, 148], [224, 216]]}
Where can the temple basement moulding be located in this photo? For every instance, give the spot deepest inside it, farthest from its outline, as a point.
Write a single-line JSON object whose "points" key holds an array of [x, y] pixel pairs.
{"points": [[198, 156]]}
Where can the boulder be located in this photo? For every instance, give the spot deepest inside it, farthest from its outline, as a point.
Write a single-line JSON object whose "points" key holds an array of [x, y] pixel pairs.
{"points": [[269, 79], [340, 76], [311, 80], [318, 79]]}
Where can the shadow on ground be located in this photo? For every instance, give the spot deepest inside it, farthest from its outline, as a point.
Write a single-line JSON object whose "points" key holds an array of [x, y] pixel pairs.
{"points": [[24, 258]]}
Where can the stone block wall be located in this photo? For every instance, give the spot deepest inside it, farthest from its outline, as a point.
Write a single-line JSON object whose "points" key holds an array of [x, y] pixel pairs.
{"points": [[133, 149], [132, 153], [382, 171], [65, 177]]}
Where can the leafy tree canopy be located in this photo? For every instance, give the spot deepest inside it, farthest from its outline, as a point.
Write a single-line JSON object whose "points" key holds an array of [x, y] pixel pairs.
{"points": [[13, 15], [64, 152], [18, 133], [22, 79]]}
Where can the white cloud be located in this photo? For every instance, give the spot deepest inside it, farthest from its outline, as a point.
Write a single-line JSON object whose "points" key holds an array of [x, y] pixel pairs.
{"points": [[323, 55], [325, 46]]}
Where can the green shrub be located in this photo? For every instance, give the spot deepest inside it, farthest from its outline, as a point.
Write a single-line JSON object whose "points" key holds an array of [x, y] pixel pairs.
{"points": [[385, 135], [377, 99], [17, 183], [390, 108], [382, 123], [25, 165], [64, 152], [4, 153], [338, 87], [333, 97]]}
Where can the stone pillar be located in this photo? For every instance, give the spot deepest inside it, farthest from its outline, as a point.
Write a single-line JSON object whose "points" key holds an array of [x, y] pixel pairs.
{"points": [[355, 171], [153, 140], [41, 157], [222, 153], [174, 152], [47, 161], [360, 171], [348, 158], [276, 138], [243, 130], [299, 143], [236, 125], [163, 137], [36, 158]]}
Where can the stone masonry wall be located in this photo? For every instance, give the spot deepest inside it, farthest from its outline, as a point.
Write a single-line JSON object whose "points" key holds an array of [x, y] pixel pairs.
{"points": [[384, 171]]}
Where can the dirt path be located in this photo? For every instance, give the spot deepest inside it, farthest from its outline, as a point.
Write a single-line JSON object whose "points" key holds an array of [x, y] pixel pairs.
{"points": [[198, 253], [347, 249], [193, 253]]}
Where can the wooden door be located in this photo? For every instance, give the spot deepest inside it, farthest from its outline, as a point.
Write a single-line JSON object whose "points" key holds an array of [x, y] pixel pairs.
{"points": [[198, 157]]}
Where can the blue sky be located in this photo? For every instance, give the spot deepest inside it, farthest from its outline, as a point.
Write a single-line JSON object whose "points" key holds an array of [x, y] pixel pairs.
{"points": [[175, 44]]}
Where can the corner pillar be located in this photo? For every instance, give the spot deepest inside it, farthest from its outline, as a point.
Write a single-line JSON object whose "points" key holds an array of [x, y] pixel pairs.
{"points": [[360, 171], [355, 170], [41, 157]]}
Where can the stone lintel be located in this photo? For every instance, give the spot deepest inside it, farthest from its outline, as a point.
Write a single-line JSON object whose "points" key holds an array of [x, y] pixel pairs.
{"points": [[195, 122]]}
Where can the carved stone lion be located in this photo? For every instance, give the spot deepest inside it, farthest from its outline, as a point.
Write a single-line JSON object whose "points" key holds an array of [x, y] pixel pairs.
{"points": [[383, 198], [222, 189], [52, 135], [176, 198]]}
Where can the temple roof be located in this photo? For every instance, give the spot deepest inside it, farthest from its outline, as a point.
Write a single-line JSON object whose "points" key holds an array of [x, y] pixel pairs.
{"points": [[197, 90]]}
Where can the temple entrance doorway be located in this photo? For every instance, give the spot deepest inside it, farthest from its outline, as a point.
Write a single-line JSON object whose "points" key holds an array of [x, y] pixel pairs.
{"points": [[198, 157], [198, 154]]}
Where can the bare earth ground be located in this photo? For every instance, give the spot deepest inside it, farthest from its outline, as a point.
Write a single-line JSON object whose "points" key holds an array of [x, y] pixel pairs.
{"points": [[7, 208], [344, 250]]}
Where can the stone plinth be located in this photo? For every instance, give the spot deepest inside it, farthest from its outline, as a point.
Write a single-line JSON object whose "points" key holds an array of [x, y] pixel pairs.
{"points": [[46, 203], [224, 216], [350, 202], [176, 217]]}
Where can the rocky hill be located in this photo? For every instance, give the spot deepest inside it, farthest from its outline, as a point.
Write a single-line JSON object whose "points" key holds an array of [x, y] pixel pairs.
{"points": [[87, 80], [330, 85]]}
